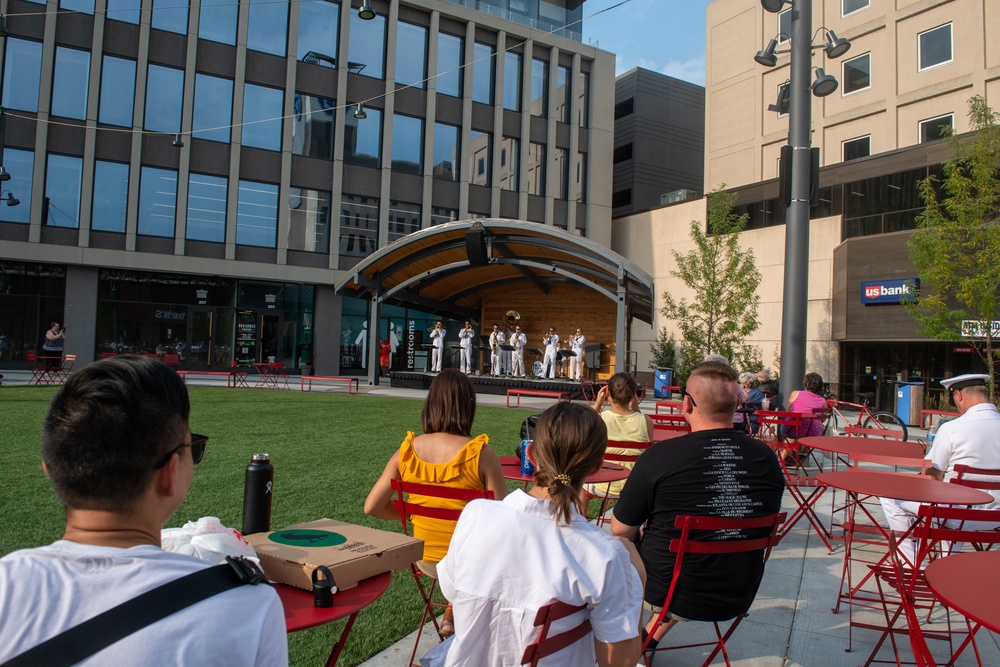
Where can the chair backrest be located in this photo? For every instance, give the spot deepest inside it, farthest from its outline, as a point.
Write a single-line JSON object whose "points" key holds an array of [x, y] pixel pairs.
{"points": [[938, 523], [889, 460], [637, 448], [887, 434], [173, 360], [68, 362], [670, 407], [407, 508], [108, 355], [545, 645], [963, 473], [771, 421], [31, 355], [670, 422]]}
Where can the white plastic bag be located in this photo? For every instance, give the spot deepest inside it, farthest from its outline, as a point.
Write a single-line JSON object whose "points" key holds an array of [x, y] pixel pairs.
{"points": [[207, 539]]}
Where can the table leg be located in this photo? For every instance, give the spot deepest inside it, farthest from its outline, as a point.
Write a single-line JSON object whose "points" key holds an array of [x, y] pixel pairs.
{"points": [[340, 643]]}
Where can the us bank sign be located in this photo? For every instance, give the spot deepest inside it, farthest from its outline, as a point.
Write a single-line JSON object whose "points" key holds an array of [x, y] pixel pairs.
{"points": [[889, 291]]}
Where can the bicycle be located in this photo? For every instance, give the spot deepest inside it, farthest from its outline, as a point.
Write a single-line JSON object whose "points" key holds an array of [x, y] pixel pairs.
{"points": [[866, 417]]}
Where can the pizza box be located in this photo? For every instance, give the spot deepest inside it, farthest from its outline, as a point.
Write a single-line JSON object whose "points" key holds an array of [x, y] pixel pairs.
{"points": [[352, 553]]}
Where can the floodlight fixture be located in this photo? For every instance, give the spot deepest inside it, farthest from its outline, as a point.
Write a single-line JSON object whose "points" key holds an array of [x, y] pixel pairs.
{"points": [[773, 6], [359, 112], [836, 46], [366, 13], [767, 57], [9, 197], [824, 84]]}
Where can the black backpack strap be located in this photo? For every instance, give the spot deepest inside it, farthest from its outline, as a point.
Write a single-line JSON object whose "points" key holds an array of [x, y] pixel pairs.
{"points": [[84, 640]]}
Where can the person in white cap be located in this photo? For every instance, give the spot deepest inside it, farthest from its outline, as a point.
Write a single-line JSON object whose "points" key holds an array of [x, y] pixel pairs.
{"points": [[972, 439]]}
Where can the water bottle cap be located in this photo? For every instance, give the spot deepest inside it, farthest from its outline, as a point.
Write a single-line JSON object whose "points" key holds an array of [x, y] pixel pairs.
{"points": [[260, 456]]}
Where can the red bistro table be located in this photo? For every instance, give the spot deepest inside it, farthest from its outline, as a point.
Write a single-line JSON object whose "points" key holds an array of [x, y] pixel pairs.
{"points": [[968, 583], [609, 472], [302, 614], [859, 448]]}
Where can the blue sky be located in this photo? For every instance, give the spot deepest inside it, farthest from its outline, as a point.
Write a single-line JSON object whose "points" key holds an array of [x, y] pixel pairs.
{"points": [[666, 36]]}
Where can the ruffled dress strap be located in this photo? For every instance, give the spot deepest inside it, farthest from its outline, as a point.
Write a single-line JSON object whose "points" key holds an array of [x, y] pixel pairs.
{"points": [[464, 464]]}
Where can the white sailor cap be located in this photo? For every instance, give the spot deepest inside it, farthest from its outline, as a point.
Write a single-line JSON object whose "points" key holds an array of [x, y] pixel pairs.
{"points": [[967, 380]]}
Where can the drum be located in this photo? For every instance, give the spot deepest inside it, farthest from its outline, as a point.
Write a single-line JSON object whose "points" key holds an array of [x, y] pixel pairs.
{"points": [[536, 369]]}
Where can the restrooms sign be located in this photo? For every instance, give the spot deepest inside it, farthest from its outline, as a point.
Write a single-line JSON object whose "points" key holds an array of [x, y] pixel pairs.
{"points": [[889, 291]]}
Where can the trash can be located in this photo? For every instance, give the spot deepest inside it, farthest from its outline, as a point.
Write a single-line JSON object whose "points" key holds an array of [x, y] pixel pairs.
{"points": [[661, 380], [909, 402]]}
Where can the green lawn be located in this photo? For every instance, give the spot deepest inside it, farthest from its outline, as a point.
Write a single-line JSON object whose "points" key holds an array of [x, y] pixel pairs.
{"points": [[327, 451]]}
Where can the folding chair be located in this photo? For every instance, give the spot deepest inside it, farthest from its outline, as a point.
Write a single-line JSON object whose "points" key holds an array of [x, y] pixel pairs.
{"points": [[61, 374], [627, 458], [545, 646], [279, 374], [686, 544], [669, 425], [38, 371], [172, 360], [408, 508], [975, 478]]}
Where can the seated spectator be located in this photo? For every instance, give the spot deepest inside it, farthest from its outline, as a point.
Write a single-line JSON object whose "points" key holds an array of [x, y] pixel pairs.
{"points": [[755, 398], [508, 559], [705, 473], [775, 401], [118, 452], [808, 400]]}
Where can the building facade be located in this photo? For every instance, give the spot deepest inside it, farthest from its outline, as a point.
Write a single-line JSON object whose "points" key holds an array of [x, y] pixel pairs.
{"points": [[197, 177]]}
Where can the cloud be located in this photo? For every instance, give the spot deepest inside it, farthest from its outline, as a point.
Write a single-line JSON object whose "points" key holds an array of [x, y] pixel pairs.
{"points": [[691, 69]]}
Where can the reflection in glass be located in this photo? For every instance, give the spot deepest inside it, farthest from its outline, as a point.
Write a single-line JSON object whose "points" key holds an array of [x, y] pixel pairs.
{"points": [[449, 65], [581, 178], [481, 162], [439, 215], [411, 55], [164, 93], [19, 165], [482, 73], [262, 111], [512, 81], [562, 169], [157, 201], [257, 214], [583, 98], [509, 160], [539, 88], [407, 144], [267, 30], [126, 11], [170, 15], [363, 138], [562, 94], [308, 220], [536, 169], [446, 151], [213, 108], [110, 197], [358, 228], [218, 21], [318, 23], [404, 218], [62, 190], [117, 91], [206, 208], [367, 45], [312, 126], [70, 83], [22, 70], [84, 6], [857, 73]]}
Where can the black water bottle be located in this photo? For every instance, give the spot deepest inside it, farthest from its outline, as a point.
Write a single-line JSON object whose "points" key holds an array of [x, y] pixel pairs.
{"points": [[257, 493]]}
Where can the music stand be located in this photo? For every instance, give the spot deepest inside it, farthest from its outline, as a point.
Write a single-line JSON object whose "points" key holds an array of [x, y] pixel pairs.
{"points": [[561, 357]]}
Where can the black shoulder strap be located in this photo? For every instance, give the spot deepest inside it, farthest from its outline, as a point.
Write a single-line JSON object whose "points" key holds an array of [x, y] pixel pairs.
{"points": [[82, 641]]}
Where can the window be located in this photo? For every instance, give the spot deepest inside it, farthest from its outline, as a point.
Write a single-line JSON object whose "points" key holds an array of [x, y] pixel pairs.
{"points": [[312, 126], [157, 201], [308, 220], [512, 81], [22, 70], [20, 165], [784, 26], [126, 11], [439, 215], [510, 148], [363, 139], [117, 91], [857, 74], [583, 99], [267, 30], [851, 6], [318, 23], [213, 108], [935, 128], [358, 228], [539, 88], [581, 178], [536, 169], [164, 92], [562, 169], [63, 175], [625, 108], [562, 94], [482, 73], [449, 66], [481, 151], [206, 208], [623, 153], [621, 198], [257, 214], [407, 144], [411, 55], [934, 47], [110, 206], [447, 151], [217, 21], [170, 15], [262, 112], [84, 6], [404, 218], [857, 148], [367, 45], [70, 83]]}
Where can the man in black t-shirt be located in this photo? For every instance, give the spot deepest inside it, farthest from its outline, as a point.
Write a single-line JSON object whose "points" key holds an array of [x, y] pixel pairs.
{"points": [[714, 471]]}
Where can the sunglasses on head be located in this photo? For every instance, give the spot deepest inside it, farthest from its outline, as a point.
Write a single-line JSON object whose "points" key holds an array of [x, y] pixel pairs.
{"points": [[197, 445], [684, 392]]}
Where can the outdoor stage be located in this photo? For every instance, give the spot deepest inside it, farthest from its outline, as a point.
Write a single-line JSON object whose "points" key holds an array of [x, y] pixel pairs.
{"points": [[486, 384]]}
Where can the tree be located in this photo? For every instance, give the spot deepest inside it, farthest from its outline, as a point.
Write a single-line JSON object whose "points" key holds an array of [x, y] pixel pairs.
{"points": [[724, 279], [956, 246], [664, 351]]}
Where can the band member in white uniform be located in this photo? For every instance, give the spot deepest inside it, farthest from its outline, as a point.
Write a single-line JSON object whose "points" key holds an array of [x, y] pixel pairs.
{"points": [[437, 352], [505, 354], [466, 337], [496, 339], [518, 339], [551, 342], [576, 362]]}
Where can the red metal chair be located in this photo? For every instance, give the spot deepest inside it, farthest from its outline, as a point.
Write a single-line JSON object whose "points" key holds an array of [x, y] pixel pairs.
{"points": [[686, 544], [38, 371], [545, 646], [407, 509], [627, 459], [61, 374], [172, 360], [667, 425]]}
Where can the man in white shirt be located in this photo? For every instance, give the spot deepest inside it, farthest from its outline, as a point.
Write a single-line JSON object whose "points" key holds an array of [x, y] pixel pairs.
{"points": [[551, 342], [119, 454], [466, 338], [496, 340], [576, 343], [518, 340], [437, 352]]}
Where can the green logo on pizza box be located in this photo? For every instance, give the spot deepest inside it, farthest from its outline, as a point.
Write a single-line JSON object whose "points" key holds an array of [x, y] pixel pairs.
{"points": [[304, 537]]}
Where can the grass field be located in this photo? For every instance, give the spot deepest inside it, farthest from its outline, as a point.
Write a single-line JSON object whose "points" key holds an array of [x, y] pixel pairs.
{"points": [[327, 451]]}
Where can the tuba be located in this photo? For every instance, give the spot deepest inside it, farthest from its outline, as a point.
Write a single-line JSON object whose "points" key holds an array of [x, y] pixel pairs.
{"points": [[511, 318]]}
